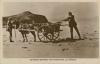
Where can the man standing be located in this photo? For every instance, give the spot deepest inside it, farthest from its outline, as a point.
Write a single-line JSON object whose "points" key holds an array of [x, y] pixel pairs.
{"points": [[72, 24], [10, 27]]}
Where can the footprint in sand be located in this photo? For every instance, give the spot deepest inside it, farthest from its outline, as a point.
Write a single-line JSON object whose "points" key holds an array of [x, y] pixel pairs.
{"points": [[77, 48], [24, 47], [87, 33], [65, 49], [95, 31], [29, 43], [90, 38], [28, 50], [59, 45]]}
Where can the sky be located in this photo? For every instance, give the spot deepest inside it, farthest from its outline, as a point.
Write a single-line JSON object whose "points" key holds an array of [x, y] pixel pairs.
{"points": [[54, 11]]}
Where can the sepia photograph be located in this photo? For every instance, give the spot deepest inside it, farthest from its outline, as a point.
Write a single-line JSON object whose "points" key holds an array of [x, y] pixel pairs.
{"points": [[50, 30]]}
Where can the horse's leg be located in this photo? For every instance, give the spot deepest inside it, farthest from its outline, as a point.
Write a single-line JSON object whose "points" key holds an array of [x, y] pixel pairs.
{"points": [[10, 37], [23, 36], [26, 37], [33, 33], [52, 36]]}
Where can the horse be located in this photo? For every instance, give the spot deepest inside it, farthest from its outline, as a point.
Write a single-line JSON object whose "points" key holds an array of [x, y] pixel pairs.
{"points": [[25, 29], [20, 26]]}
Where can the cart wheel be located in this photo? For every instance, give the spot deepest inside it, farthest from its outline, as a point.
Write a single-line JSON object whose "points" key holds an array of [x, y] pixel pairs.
{"points": [[41, 34], [44, 36], [55, 36]]}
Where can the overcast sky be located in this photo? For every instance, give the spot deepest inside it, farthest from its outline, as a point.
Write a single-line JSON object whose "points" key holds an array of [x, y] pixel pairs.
{"points": [[52, 10]]}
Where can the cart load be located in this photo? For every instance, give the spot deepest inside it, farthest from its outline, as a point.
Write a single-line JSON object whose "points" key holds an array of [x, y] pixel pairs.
{"points": [[27, 17]]}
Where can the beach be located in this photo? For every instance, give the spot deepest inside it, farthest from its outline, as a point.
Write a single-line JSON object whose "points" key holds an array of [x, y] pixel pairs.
{"points": [[88, 47]]}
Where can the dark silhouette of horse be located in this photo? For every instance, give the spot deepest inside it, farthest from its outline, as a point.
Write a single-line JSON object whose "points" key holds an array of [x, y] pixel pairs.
{"points": [[26, 29]]}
